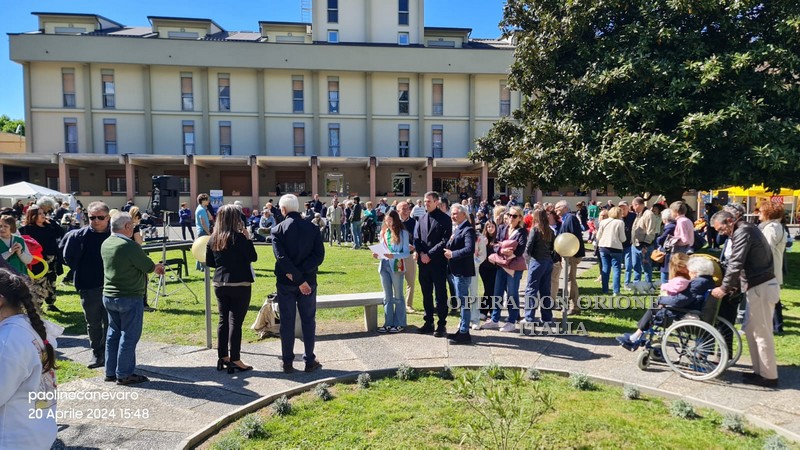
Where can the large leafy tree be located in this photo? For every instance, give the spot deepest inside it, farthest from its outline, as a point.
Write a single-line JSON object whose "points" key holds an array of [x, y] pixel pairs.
{"points": [[651, 95], [9, 125]]}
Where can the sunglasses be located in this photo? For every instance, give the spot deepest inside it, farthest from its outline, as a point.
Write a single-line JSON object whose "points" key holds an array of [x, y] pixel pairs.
{"points": [[97, 217], [513, 216]]}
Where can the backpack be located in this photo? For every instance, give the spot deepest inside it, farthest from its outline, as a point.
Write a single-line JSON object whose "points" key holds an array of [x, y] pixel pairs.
{"points": [[699, 241], [268, 322]]}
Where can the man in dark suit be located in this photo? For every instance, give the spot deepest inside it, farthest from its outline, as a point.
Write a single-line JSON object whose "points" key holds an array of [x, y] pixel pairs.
{"points": [[460, 254], [430, 236], [298, 249], [571, 224]]}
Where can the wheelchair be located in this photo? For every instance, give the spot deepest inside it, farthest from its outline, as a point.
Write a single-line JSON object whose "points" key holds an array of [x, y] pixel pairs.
{"points": [[697, 346]]}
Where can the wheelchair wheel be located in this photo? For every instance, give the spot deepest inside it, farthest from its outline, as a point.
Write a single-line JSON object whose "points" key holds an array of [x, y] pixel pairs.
{"points": [[643, 360], [730, 334], [694, 350]]}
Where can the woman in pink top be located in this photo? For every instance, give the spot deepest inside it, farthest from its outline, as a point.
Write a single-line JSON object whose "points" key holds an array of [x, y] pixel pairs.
{"points": [[684, 228]]}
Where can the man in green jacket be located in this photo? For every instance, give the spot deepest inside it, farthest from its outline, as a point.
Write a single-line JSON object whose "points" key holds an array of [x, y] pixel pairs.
{"points": [[125, 270]]}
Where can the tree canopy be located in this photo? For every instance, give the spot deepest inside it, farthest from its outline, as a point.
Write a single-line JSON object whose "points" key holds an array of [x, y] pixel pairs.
{"points": [[8, 125], [651, 95]]}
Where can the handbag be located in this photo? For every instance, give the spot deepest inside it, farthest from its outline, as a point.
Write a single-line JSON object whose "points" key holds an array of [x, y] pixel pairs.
{"points": [[516, 263], [658, 256]]}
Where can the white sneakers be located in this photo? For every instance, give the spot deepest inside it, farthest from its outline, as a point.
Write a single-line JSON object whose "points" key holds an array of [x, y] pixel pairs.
{"points": [[490, 325], [475, 326], [509, 328]]}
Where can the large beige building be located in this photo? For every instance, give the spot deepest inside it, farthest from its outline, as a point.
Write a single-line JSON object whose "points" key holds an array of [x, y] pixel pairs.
{"points": [[364, 99]]}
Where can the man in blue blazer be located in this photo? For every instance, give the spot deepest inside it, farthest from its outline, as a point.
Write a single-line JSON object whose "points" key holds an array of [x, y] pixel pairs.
{"points": [[460, 254], [299, 252], [432, 232], [571, 224]]}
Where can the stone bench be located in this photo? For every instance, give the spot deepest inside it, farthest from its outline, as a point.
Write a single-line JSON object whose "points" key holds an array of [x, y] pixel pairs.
{"points": [[369, 300]]}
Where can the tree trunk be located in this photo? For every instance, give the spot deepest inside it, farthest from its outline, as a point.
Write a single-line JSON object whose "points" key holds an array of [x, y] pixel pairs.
{"points": [[674, 195]]}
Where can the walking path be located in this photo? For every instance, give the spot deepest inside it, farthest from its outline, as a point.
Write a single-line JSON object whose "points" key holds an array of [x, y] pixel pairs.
{"points": [[186, 392]]}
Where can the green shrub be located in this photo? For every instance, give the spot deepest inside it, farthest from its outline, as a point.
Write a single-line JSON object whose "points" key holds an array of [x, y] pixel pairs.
{"points": [[631, 392], [734, 423], [494, 371], [230, 441], [363, 380], [775, 442], [682, 409], [323, 392], [534, 374], [406, 373], [251, 426], [446, 373], [282, 406], [580, 381]]}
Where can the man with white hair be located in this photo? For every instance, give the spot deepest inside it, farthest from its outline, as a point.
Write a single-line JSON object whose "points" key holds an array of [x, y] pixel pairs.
{"points": [[298, 249], [125, 270]]}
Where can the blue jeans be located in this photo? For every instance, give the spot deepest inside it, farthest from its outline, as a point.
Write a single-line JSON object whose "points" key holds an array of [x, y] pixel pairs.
{"points": [[642, 263], [394, 304], [125, 316], [626, 250], [537, 291], [356, 228], [462, 284], [291, 302], [610, 263], [505, 283]]}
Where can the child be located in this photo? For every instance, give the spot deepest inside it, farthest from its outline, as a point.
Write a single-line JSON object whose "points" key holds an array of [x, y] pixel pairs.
{"points": [[692, 297]]}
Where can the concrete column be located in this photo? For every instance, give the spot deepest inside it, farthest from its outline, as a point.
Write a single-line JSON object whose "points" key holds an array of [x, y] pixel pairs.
{"points": [[429, 175], [368, 109], [63, 175], [254, 183], [593, 195], [315, 122], [26, 82], [87, 109], [148, 111], [130, 178], [368, 20], [194, 189], [420, 20], [538, 195], [262, 124], [421, 131], [373, 164], [2, 178], [485, 182], [314, 176], [471, 101], [206, 144]]}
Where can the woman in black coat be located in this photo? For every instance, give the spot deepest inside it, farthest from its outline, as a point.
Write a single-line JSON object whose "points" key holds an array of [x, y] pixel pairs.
{"points": [[231, 253], [47, 234]]}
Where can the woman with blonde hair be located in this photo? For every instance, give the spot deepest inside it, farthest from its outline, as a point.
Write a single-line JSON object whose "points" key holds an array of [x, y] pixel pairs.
{"points": [[610, 238], [231, 253], [505, 282]]}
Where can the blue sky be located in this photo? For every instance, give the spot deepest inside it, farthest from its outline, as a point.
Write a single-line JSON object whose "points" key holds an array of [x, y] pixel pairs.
{"points": [[480, 15]]}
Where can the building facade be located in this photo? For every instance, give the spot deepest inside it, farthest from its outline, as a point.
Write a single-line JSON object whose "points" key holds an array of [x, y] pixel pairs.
{"points": [[362, 100]]}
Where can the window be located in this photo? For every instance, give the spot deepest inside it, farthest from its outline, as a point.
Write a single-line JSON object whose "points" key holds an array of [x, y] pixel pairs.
{"points": [[71, 135], [334, 148], [183, 35], [187, 96], [403, 139], [402, 38], [291, 181], [225, 138], [110, 136], [224, 90], [334, 183], [333, 36], [299, 138], [402, 14], [505, 100], [70, 30], [115, 183], [438, 141], [51, 180], [109, 91], [438, 97], [68, 87], [402, 96], [442, 43], [333, 95], [297, 93], [188, 137], [401, 184], [333, 11]]}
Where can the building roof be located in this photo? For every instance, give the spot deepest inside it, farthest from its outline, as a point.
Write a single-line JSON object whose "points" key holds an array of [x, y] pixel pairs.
{"points": [[215, 28], [97, 17], [270, 22]]}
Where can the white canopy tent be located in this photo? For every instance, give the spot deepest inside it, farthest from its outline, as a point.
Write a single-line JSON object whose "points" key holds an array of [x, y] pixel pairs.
{"points": [[23, 189]]}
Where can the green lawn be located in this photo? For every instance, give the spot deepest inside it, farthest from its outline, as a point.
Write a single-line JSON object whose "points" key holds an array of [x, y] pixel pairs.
{"points": [[180, 320], [427, 413]]}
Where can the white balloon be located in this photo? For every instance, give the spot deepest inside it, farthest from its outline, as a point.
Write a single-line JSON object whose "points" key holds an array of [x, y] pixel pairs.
{"points": [[567, 245], [199, 248]]}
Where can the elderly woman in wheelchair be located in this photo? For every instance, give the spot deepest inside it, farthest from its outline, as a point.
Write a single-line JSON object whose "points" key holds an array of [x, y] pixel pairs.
{"points": [[684, 330]]}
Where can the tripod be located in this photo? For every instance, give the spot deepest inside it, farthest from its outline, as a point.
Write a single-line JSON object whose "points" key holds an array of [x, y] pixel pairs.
{"points": [[161, 288]]}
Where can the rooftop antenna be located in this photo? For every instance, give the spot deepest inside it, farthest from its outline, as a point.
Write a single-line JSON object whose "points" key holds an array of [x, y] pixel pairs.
{"points": [[305, 11]]}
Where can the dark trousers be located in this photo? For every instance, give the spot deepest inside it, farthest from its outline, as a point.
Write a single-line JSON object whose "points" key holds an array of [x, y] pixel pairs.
{"points": [[96, 320], [647, 319], [184, 227], [728, 309], [433, 277], [291, 302], [233, 302], [488, 273]]}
